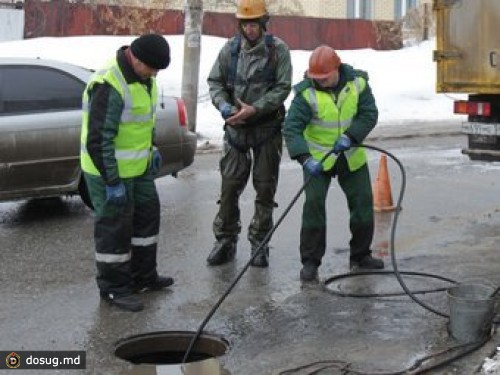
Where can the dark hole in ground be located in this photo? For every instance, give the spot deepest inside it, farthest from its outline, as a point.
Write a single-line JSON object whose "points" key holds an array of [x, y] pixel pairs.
{"points": [[169, 347]]}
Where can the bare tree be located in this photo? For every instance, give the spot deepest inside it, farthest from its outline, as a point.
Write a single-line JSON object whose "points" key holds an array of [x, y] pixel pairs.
{"points": [[418, 24]]}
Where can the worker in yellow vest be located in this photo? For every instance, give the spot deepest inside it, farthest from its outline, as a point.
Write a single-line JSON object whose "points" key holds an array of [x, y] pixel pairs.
{"points": [[333, 108], [119, 162]]}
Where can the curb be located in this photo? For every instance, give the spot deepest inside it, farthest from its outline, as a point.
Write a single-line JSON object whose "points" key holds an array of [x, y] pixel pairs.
{"points": [[388, 131], [404, 130]]}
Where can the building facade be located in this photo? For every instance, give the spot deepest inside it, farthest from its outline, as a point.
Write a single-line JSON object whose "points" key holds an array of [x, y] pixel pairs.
{"points": [[303, 24], [380, 10]]}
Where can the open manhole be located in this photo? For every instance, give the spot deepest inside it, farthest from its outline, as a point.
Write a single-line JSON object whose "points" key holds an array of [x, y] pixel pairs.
{"points": [[169, 347]]}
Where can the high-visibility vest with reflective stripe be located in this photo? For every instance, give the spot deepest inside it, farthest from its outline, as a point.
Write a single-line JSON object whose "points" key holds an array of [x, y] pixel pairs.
{"points": [[133, 141], [330, 119]]}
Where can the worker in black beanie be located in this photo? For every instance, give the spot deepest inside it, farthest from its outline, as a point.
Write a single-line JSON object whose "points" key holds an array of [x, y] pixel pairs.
{"points": [[153, 50], [120, 162]]}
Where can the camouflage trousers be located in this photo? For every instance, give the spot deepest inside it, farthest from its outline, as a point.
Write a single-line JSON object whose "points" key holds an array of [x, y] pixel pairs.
{"points": [[255, 151]]}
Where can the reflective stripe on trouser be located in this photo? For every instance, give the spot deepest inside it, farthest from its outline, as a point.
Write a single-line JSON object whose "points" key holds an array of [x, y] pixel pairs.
{"points": [[145, 230], [357, 189], [265, 145], [125, 237]]}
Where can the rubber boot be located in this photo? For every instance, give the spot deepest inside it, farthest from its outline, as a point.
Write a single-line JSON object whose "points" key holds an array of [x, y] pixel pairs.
{"points": [[161, 282], [368, 262], [223, 252], [123, 302], [262, 259], [309, 272]]}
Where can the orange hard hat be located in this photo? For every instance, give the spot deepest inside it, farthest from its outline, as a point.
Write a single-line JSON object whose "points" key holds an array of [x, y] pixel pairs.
{"points": [[323, 62], [250, 9]]}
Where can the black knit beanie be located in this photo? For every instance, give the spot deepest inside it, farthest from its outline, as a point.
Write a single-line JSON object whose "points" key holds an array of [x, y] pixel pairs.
{"points": [[153, 50]]}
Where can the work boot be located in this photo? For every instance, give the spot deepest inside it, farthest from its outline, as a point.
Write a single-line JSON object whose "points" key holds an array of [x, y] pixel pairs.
{"points": [[368, 262], [160, 283], [262, 258], [223, 252], [125, 302], [309, 272]]}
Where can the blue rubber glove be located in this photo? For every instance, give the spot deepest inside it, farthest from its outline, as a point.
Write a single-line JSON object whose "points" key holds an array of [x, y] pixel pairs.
{"points": [[225, 110], [116, 194], [156, 162], [343, 144], [313, 166]]}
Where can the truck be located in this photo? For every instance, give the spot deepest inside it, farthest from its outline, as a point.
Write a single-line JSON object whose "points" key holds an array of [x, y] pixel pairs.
{"points": [[467, 57]]}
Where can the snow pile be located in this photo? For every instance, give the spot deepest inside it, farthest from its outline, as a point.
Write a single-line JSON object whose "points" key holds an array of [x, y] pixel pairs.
{"points": [[491, 366]]}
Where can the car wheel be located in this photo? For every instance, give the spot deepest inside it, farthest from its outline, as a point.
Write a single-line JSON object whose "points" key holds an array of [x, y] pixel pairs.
{"points": [[84, 193]]}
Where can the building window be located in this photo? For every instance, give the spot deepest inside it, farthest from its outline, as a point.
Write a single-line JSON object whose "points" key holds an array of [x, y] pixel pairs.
{"points": [[351, 8], [401, 7], [398, 9], [410, 4], [359, 9]]}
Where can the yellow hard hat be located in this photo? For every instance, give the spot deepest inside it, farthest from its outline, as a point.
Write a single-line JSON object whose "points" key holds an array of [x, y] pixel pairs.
{"points": [[250, 9]]}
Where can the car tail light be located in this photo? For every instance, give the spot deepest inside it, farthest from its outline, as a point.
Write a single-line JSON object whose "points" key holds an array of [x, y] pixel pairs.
{"points": [[472, 108], [181, 109]]}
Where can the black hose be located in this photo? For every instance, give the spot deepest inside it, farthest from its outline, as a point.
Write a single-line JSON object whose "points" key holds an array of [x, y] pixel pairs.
{"points": [[418, 366], [266, 239], [240, 274], [371, 295], [397, 273]]}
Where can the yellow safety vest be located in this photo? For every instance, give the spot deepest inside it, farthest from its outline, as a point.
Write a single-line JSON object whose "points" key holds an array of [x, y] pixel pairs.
{"points": [[330, 119], [133, 141]]}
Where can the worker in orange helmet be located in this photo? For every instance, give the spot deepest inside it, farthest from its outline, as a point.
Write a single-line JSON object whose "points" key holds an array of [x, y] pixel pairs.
{"points": [[333, 108]]}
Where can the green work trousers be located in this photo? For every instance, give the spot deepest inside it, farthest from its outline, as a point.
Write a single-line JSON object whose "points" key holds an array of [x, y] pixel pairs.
{"points": [[125, 237], [356, 186]]}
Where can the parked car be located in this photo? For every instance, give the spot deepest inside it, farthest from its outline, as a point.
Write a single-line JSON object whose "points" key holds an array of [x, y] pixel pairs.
{"points": [[40, 122]]}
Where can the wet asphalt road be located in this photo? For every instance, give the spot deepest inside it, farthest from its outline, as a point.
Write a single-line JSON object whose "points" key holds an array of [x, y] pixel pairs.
{"points": [[449, 226]]}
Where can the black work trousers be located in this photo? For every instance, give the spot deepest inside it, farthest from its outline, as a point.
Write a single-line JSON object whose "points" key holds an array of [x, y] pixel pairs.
{"points": [[125, 237]]}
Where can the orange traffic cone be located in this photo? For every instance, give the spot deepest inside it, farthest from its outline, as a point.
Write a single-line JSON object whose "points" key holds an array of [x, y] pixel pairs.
{"points": [[382, 194]]}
